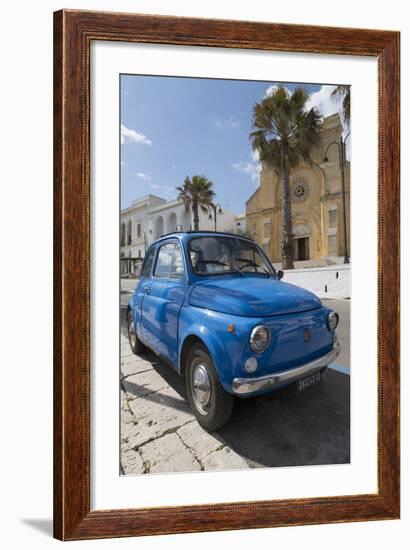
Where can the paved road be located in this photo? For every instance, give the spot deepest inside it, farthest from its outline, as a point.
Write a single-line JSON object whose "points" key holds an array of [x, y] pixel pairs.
{"points": [[285, 428], [128, 285]]}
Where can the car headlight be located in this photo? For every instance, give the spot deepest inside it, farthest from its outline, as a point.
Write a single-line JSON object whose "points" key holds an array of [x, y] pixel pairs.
{"points": [[332, 320], [260, 338]]}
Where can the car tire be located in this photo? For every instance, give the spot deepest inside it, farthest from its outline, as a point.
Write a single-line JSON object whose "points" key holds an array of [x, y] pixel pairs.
{"points": [[136, 345], [210, 403]]}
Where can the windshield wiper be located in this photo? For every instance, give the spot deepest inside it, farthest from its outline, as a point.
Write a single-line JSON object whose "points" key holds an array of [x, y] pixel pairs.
{"points": [[237, 270], [216, 262]]}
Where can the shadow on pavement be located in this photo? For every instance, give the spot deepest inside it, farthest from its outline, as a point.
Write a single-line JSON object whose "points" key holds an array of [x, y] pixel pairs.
{"points": [[292, 428]]}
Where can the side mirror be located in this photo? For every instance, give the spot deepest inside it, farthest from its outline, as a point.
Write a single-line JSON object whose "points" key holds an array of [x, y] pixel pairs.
{"points": [[280, 274]]}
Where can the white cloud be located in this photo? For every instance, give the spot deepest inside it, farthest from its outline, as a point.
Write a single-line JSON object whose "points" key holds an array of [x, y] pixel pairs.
{"points": [[272, 89], [230, 122], [154, 186], [128, 134], [251, 168], [143, 176], [255, 155], [324, 102], [328, 105]]}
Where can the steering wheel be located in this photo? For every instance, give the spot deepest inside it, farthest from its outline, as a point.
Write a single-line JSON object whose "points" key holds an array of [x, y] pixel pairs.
{"points": [[247, 263]]}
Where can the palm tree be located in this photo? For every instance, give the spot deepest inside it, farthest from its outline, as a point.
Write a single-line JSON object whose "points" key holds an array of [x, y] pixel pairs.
{"points": [[196, 193], [343, 91], [285, 132]]}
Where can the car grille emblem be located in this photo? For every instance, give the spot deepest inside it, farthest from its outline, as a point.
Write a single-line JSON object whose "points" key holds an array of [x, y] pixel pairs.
{"points": [[307, 335]]}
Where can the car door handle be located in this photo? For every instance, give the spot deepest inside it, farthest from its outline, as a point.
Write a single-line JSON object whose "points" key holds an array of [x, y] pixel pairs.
{"points": [[147, 289]]}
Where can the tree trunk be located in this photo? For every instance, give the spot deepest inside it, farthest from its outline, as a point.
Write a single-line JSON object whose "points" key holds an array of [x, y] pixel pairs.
{"points": [[287, 229], [196, 216]]}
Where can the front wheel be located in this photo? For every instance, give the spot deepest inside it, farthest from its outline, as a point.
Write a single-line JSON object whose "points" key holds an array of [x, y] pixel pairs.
{"points": [[136, 345], [210, 403]]}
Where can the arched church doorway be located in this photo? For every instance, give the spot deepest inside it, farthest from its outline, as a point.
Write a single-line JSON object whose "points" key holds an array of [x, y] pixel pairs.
{"points": [[301, 244]]}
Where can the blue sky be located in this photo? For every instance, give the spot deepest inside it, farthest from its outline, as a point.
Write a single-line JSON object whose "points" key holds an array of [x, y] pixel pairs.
{"points": [[176, 127]]}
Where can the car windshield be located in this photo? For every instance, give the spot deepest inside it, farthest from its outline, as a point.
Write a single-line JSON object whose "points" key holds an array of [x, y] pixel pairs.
{"points": [[222, 254]]}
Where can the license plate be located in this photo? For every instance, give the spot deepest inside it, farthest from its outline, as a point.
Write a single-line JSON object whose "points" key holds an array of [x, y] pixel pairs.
{"points": [[308, 381]]}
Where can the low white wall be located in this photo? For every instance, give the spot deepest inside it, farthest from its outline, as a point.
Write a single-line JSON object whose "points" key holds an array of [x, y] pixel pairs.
{"points": [[326, 282]]}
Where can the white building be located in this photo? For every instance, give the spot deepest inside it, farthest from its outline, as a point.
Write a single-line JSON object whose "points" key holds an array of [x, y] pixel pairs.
{"points": [[150, 217], [240, 223], [134, 226], [172, 216]]}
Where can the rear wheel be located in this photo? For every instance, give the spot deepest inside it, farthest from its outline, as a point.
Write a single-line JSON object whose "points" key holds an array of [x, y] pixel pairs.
{"points": [[136, 345], [210, 403]]}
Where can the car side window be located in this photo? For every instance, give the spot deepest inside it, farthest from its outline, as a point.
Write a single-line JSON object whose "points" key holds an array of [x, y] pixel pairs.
{"points": [[146, 270], [163, 265], [177, 263]]}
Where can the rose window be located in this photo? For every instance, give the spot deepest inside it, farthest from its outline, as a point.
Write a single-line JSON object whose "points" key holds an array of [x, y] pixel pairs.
{"points": [[300, 191]]}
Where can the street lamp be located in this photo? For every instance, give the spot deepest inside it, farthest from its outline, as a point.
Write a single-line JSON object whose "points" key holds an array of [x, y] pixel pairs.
{"points": [[214, 208], [341, 147]]}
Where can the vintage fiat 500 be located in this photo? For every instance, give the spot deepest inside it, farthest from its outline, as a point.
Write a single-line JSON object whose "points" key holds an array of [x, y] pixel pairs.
{"points": [[212, 306]]}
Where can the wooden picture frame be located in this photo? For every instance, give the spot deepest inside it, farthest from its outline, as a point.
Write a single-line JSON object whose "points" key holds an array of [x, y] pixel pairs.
{"points": [[74, 32]]}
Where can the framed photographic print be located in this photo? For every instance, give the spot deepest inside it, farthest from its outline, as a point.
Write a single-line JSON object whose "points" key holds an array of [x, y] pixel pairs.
{"points": [[226, 288]]}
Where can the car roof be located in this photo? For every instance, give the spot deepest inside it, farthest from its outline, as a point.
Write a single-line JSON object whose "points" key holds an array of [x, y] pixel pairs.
{"points": [[182, 235]]}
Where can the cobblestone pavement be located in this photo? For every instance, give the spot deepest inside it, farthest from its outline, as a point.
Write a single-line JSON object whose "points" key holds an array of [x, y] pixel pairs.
{"points": [[159, 433]]}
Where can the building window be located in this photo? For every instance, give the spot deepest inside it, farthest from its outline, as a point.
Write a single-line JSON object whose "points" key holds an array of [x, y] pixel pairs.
{"points": [[332, 245], [266, 230], [139, 253], [333, 217], [129, 235], [138, 230], [123, 234]]}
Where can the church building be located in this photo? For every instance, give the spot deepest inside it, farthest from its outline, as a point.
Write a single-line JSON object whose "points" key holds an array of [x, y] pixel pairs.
{"points": [[317, 205]]}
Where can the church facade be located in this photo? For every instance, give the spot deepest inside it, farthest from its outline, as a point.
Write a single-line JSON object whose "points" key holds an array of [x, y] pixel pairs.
{"points": [[317, 206]]}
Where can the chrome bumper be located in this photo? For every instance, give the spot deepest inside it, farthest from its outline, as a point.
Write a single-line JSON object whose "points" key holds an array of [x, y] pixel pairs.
{"points": [[244, 386]]}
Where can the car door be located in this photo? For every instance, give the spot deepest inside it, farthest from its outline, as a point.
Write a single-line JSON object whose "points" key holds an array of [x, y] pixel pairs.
{"points": [[163, 300], [142, 289]]}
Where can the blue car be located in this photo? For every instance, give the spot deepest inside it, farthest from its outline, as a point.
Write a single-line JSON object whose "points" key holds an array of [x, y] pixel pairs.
{"points": [[212, 306]]}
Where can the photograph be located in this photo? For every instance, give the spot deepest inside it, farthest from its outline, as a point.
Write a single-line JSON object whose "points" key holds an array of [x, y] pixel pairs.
{"points": [[235, 274], [223, 190], [215, 246]]}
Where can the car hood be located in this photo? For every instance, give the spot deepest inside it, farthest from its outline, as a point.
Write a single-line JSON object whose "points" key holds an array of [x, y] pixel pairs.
{"points": [[252, 296]]}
